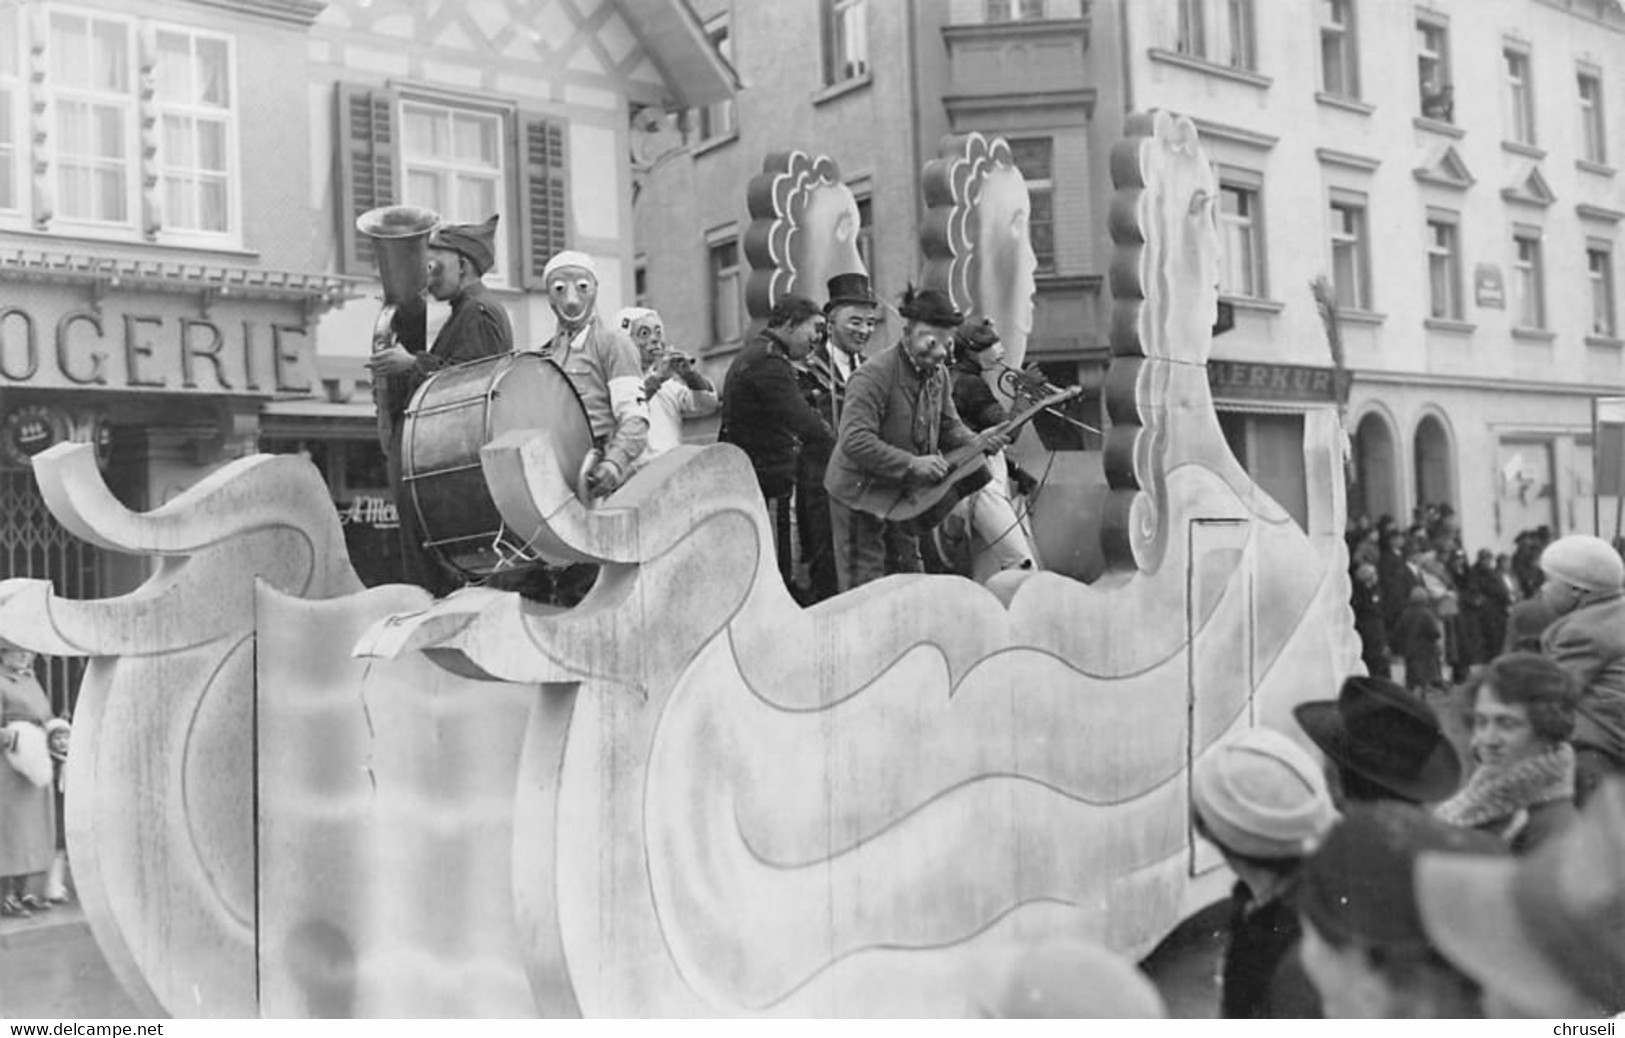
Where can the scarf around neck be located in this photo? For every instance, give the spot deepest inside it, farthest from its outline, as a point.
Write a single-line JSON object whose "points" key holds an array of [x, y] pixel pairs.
{"points": [[1495, 793]]}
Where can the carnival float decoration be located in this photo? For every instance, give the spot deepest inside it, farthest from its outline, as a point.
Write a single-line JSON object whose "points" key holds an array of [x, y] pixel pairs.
{"points": [[687, 795]]}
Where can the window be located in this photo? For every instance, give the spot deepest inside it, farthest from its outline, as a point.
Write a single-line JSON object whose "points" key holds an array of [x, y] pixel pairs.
{"points": [[725, 289], [1339, 58], [452, 162], [846, 40], [1600, 266], [640, 282], [1520, 109], [1035, 157], [719, 120], [1220, 31], [1444, 266], [11, 92], [1241, 229], [1528, 280], [93, 117], [1351, 253], [193, 92], [1192, 29], [465, 161], [1433, 70], [1015, 10], [866, 232], [1593, 137]]}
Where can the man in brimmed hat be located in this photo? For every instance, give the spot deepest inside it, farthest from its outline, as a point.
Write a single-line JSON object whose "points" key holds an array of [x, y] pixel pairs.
{"points": [[1364, 945], [459, 255], [978, 356], [1381, 743], [1260, 799], [899, 417], [1585, 589], [850, 315], [1543, 935]]}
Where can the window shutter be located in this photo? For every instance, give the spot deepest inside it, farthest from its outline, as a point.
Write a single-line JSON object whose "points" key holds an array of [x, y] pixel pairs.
{"points": [[544, 203], [365, 157]]}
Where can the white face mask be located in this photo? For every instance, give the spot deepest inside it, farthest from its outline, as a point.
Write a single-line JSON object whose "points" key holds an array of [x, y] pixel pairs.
{"points": [[573, 294]]}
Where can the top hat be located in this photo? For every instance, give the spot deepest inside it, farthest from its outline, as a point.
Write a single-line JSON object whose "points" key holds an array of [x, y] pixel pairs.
{"points": [[929, 306], [850, 290], [1384, 734], [476, 241], [1545, 932]]}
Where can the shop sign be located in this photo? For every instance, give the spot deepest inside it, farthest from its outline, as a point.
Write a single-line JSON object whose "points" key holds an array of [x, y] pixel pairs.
{"points": [[1245, 380], [366, 510], [31, 429], [1488, 289], [153, 344]]}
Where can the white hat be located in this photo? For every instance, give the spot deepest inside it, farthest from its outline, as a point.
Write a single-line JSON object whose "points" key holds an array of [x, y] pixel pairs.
{"points": [[1583, 561], [570, 258], [1262, 795], [631, 315]]}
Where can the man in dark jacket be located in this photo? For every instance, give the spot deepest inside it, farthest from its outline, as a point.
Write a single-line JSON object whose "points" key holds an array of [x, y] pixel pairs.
{"points": [[1585, 588], [459, 256], [852, 312], [1369, 622], [1262, 801], [899, 416], [765, 415]]}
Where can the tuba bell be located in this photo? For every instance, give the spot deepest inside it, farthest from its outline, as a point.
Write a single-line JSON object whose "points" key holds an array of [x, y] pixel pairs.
{"points": [[400, 235]]}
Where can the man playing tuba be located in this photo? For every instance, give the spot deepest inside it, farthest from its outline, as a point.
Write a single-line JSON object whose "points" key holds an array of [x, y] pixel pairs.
{"points": [[458, 257]]}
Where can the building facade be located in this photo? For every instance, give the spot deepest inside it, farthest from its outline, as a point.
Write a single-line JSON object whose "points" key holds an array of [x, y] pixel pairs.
{"points": [[1447, 167], [181, 281]]}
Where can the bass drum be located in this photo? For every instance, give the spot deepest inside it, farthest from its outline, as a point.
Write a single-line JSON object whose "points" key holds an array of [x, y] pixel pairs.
{"points": [[452, 415]]}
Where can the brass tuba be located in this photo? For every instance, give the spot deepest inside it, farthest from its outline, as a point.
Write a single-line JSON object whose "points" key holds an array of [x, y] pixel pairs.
{"points": [[400, 235]]}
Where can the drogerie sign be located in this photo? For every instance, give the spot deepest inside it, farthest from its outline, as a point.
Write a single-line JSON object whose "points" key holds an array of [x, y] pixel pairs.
{"points": [[153, 343]]}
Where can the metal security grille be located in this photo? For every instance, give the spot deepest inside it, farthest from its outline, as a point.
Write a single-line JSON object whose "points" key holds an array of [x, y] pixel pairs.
{"points": [[34, 544]]}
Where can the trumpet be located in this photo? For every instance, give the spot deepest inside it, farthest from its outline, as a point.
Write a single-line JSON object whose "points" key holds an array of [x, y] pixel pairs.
{"points": [[400, 235], [1029, 386]]}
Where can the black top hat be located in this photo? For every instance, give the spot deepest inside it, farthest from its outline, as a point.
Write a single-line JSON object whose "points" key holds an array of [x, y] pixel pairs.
{"points": [[850, 290], [1385, 734], [929, 306]]}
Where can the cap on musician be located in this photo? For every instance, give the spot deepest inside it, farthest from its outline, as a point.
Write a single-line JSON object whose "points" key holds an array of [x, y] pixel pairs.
{"points": [[571, 280], [475, 242], [977, 341], [931, 320]]}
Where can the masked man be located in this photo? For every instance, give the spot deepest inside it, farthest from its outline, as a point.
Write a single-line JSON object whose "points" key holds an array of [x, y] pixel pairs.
{"points": [[459, 255], [602, 365], [851, 315], [978, 354], [672, 387], [899, 416]]}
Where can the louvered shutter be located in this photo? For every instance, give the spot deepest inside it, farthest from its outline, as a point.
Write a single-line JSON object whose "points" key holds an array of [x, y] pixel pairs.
{"points": [[544, 202], [365, 154]]}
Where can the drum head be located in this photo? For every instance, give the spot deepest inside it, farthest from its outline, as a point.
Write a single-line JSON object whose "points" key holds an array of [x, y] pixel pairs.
{"points": [[455, 413]]}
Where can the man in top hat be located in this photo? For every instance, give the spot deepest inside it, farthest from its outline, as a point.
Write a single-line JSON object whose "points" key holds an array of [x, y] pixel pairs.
{"points": [[1365, 947], [898, 419], [1543, 935], [1381, 743], [1260, 799], [459, 255], [1583, 588], [978, 353], [850, 317], [602, 365]]}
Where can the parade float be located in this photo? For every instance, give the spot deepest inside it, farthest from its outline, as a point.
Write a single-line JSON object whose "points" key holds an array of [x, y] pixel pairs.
{"points": [[291, 795]]}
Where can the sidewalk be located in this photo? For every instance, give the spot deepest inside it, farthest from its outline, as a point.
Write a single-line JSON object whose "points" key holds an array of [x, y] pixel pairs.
{"points": [[50, 968]]}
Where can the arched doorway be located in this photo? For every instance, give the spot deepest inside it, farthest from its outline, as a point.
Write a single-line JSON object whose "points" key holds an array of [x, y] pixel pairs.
{"points": [[1435, 468], [1375, 489]]}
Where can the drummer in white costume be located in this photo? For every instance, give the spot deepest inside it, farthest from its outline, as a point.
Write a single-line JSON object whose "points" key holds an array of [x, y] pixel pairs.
{"points": [[602, 364]]}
